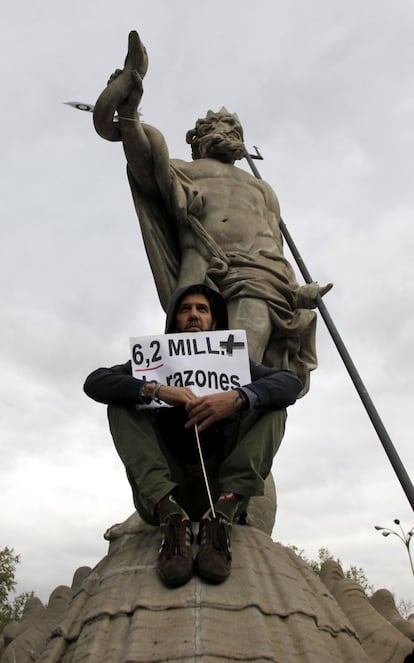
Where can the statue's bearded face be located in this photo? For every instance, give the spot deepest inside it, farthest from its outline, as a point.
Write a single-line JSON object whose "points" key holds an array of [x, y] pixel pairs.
{"points": [[218, 136]]}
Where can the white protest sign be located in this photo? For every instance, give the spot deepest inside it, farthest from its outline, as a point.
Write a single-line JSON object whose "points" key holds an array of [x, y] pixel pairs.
{"points": [[206, 362]]}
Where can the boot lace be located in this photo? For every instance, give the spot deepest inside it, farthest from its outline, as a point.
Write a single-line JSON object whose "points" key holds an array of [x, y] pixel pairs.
{"points": [[177, 537], [214, 535]]}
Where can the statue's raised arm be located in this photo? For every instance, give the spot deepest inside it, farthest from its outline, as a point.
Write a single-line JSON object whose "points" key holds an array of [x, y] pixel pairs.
{"points": [[116, 116]]}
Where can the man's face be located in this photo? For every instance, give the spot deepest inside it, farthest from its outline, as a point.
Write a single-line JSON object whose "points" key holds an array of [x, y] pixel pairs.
{"points": [[194, 314]]}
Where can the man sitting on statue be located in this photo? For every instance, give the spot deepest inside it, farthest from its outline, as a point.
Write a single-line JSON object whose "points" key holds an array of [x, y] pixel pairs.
{"points": [[240, 431]]}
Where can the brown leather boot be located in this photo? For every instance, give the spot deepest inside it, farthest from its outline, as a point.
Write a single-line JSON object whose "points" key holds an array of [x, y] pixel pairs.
{"points": [[175, 557], [213, 560]]}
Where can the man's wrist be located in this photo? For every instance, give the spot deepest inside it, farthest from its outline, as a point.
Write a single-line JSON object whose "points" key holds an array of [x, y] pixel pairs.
{"points": [[149, 391], [241, 401]]}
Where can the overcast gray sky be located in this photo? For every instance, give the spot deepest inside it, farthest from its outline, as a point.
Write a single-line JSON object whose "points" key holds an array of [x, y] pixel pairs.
{"points": [[325, 89]]}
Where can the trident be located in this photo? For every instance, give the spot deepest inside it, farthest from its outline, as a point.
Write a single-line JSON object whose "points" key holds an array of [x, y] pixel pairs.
{"points": [[370, 408]]}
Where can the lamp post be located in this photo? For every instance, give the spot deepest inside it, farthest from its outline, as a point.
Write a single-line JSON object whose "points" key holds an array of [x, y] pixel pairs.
{"points": [[405, 538]]}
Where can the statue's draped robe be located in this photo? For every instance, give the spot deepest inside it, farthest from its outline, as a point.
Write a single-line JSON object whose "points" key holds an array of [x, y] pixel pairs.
{"points": [[266, 275]]}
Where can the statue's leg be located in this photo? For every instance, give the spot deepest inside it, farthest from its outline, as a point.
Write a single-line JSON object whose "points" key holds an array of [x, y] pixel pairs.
{"points": [[193, 268], [250, 452], [149, 473], [253, 316]]}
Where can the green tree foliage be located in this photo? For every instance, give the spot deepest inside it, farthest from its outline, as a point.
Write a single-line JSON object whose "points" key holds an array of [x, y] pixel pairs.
{"points": [[354, 572], [405, 607], [10, 609]]}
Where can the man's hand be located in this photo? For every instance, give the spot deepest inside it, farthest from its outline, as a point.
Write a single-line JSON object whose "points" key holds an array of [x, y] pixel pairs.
{"points": [[175, 395], [205, 410]]}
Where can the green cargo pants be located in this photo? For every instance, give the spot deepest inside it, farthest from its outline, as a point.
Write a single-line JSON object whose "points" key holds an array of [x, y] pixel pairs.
{"points": [[241, 464]]}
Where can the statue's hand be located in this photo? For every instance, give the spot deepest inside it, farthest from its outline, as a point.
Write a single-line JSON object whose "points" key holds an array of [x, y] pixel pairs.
{"points": [[123, 92], [115, 75], [127, 106], [308, 293], [323, 289]]}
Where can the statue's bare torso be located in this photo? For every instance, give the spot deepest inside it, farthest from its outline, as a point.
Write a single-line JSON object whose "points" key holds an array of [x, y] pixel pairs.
{"points": [[239, 211]]}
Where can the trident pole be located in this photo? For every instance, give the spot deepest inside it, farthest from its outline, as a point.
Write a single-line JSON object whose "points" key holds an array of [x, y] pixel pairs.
{"points": [[370, 408]]}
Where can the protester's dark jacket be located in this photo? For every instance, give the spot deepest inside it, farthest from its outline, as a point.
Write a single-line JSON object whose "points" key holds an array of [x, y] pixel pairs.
{"points": [[270, 387]]}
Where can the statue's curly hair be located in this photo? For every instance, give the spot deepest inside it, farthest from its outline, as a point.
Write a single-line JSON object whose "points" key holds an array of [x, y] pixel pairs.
{"points": [[204, 125]]}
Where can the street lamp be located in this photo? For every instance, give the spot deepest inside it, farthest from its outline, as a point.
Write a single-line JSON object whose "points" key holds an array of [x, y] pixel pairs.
{"points": [[405, 538]]}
